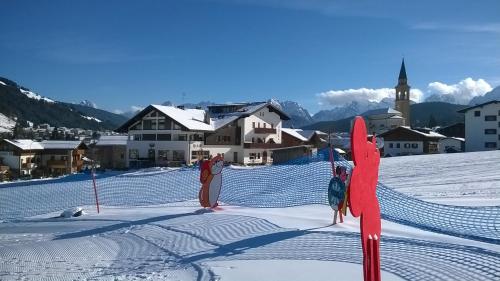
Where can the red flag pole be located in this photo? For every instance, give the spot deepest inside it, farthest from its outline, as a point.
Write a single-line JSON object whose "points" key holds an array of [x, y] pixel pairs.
{"points": [[95, 186]]}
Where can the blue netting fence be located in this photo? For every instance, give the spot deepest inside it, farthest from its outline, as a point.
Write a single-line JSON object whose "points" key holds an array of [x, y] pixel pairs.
{"points": [[301, 181]]}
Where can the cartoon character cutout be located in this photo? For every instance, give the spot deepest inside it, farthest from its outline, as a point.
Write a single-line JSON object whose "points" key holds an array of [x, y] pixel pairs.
{"points": [[211, 180], [363, 199]]}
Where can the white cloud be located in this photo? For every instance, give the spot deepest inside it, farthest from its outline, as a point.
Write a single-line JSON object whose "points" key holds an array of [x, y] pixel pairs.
{"points": [[337, 98], [117, 111], [135, 108], [493, 27], [462, 91]]}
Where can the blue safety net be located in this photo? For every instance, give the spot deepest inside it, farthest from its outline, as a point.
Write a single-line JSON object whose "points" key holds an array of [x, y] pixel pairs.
{"points": [[302, 181]]}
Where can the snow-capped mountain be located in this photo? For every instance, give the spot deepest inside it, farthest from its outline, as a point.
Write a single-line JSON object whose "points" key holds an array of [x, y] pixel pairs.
{"points": [[299, 116], [351, 109], [492, 95], [88, 103], [22, 104]]}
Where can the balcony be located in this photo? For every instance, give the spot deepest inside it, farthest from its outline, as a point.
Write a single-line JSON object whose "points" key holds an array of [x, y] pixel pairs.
{"points": [[264, 130], [262, 145]]}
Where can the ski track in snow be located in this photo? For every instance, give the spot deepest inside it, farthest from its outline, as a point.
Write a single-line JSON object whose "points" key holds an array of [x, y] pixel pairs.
{"points": [[178, 246], [177, 241]]}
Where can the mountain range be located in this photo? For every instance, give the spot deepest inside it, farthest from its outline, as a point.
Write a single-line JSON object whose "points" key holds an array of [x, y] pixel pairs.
{"points": [[20, 105]]}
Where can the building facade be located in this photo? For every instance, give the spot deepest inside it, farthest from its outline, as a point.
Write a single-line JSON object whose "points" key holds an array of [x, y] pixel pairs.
{"points": [[46, 158], [482, 126], [243, 133], [406, 141], [379, 121]]}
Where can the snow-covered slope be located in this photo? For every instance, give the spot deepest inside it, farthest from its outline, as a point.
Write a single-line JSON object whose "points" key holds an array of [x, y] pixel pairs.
{"points": [[181, 241], [6, 124], [35, 96]]}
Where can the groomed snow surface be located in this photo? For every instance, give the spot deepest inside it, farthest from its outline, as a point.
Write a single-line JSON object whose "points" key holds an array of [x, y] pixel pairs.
{"points": [[181, 241]]}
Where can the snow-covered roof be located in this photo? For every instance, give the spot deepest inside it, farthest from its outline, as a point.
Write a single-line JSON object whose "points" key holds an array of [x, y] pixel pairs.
{"points": [[455, 138], [24, 144], [219, 120], [303, 135], [189, 118], [382, 111], [294, 133], [112, 140], [60, 144], [430, 134], [193, 119]]}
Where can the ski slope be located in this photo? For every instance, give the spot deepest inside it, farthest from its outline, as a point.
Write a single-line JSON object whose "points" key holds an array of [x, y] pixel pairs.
{"points": [[156, 231]]}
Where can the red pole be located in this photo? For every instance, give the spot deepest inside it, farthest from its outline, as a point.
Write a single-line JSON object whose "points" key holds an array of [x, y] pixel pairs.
{"points": [[95, 187]]}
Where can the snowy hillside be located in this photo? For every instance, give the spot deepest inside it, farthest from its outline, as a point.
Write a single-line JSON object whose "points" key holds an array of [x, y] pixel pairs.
{"points": [[274, 224], [6, 124]]}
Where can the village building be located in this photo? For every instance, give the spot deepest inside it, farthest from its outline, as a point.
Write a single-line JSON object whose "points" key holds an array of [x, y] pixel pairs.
{"points": [[451, 145], [109, 152], [381, 120], [243, 133], [27, 158], [456, 130], [482, 126], [406, 141]]}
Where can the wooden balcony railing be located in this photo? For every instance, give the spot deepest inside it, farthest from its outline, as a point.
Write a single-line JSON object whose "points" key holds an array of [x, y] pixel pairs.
{"points": [[265, 130]]}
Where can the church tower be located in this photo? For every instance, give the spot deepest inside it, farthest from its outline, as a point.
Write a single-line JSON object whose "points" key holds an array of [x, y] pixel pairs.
{"points": [[403, 95]]}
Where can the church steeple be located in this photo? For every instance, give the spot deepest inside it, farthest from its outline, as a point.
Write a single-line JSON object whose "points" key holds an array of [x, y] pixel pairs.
{"points": [[402, 71], [403, 94]]}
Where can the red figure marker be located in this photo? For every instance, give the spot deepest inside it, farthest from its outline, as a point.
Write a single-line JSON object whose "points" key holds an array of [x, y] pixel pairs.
{"points": [[362, 198], [211, 180]]}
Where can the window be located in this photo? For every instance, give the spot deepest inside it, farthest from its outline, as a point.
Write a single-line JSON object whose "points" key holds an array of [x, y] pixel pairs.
{"points": [[398, 145], [162, 155], [265, 125], [253, 140], [137, 137], [148, 124], [161, 124], [490, 145], [199, 154], [407, 145], [490, 131], [182, 137], [258, 155], [178, 155], [164, 137], [490, 118], [64, 158], [253, 125], [258, 124], [133, 153], [414, 145], [177, 126], [252, 156], [272, 126], [391, 145], [477, 113], [148, 137], [499, 113]]}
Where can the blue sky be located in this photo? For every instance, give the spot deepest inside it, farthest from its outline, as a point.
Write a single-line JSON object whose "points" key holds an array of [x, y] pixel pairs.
{"points": [[120, 54]]}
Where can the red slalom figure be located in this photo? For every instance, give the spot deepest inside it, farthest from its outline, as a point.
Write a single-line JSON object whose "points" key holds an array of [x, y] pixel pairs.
{"points": [[362, 198]]}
